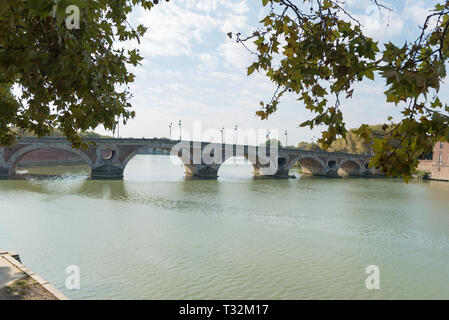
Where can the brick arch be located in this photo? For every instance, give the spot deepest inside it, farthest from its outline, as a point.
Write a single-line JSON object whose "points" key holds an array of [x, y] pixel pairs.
{"points": [[127, 153], [349, 167], [312, 165], [15, 158]]}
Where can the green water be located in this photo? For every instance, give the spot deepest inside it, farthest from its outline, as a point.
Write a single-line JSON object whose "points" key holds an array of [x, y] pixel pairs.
{"points": [[156, 235]]}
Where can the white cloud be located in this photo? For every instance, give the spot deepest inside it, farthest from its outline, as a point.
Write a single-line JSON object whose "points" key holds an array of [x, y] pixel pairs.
{"points": [[226, 76], [173, 30], [383, 25], [208, 60], [176, 29], [234, 16], [208, 6], [235, 55]]}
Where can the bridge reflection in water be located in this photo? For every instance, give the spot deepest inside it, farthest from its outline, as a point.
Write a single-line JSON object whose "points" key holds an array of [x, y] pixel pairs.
{"points": [[108, 158]]}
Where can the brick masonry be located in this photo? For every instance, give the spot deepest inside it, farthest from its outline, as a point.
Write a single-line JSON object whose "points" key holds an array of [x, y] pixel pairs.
{"points": [[439, 165], [44, 157]]}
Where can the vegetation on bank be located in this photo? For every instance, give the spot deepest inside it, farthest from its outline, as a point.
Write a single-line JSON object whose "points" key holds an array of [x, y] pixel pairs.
{"points": [[25, 289], [421, 175]]}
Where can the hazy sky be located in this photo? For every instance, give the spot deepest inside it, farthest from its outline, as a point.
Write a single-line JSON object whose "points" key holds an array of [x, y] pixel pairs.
{"points": [[192, 71]]}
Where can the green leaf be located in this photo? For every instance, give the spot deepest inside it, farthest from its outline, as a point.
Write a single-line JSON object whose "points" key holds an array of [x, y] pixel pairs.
{"points": [[369, 74], [251, 69]]}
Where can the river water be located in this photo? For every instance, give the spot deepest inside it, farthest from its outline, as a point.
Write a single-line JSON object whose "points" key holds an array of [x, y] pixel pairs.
{"points": [[157, 235]]}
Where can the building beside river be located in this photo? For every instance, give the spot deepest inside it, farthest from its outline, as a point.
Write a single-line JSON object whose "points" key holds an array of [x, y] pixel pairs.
{"points": [[437, 164]]}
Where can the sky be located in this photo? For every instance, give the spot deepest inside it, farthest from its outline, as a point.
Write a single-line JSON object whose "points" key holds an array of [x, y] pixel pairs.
{"points": [[193, 72]]}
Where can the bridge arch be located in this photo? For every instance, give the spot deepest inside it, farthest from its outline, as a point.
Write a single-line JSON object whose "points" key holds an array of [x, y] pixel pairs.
{"points": [[310, 165], [246, 167], [188, 156], [349, 168], [21, 153], [151, 167]]}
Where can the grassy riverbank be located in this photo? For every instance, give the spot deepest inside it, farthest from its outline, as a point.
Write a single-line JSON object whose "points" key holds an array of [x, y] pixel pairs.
{"points": [[25, 289]]}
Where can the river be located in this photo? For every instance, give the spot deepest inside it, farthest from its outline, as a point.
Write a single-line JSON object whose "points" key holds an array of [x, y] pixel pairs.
{"points": [[157, 235]]}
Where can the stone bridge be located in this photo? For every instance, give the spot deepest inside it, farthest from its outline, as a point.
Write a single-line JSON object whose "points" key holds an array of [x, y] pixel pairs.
{"points": [[109, 157]]}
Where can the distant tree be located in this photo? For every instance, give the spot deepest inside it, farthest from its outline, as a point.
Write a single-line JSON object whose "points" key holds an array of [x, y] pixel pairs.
{"points": [[355, 144], [309, 146], [72, 73], [270, 142], [56, 133], [316, 49]]}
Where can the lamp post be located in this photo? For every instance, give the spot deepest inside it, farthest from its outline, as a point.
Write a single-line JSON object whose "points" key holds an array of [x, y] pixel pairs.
{"points": [[285, 132], [236, 139], [236, 134], [180, 130], [222, 135], [170, 126], [116, 126]]}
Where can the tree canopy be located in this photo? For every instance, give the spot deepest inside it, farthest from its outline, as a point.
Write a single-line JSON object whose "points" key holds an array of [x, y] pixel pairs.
{"points": [[64, 55], [353, 143], [317, 50], [272, 142], [309, 146]]}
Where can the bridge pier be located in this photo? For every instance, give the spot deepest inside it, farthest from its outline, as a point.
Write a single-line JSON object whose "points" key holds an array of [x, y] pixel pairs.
{"points": [[4, 166], [280, 174], [283, 173], [4, 172], [107, 172], [332, 173], [202, 171]]}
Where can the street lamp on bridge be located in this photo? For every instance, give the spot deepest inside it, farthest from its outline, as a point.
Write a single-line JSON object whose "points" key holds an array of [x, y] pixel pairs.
{"points": [[285, 132], [180, 130], [170, 126], [222, 135], [236, 134], [116, 126]]}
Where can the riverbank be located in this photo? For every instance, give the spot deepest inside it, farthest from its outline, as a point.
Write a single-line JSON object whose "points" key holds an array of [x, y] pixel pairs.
{"points": [[17, 282]]}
